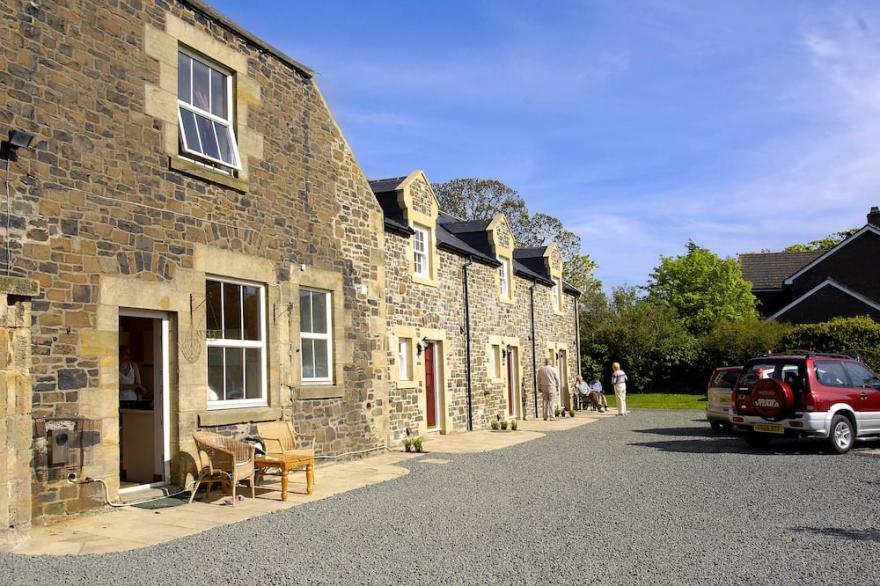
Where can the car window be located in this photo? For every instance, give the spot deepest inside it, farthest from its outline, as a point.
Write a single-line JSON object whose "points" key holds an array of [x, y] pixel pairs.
{"points": [[791, 374], [859, 375], [830, 373], [724, 379], [756, 372]]}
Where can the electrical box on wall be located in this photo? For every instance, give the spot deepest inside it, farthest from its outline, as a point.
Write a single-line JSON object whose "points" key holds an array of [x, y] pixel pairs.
{"points": [[59, 446]]}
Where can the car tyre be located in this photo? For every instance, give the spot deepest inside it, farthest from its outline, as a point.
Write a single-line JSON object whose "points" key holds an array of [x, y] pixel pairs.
{"points": [[720, 426], [842, 436], [758, 440]]}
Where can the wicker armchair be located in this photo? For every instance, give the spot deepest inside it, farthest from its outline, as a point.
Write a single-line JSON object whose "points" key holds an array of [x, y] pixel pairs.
{"points": [[280, 439], [223, 459]]}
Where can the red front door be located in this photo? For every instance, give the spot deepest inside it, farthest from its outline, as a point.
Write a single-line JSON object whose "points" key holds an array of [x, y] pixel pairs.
{"points": [[511, 395], [430, 387]]}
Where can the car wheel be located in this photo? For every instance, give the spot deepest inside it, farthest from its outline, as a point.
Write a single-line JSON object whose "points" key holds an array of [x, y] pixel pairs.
{"points": [[720, 426], [757, 440], [842, 436]]}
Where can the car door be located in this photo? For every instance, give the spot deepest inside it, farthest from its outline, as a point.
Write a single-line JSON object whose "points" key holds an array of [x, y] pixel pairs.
{"points": [[867, 385]]}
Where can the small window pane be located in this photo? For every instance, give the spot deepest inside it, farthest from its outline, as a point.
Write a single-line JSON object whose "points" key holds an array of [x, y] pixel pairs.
{"points": [[830, 373], [251, 301], [403, 355], [322, 369], [213, 309], [231, 311], [308, 359], [224, 143], [201, 85], [319, 313], [208, 138], [190, 133], [305, 311], [184, 91], [218, 94], [234, 378], [253, 373], [215, 374]]}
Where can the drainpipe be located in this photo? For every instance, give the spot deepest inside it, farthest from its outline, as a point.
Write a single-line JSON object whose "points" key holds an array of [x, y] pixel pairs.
{"points": [[577, 333], [534, 342], [467, 328]]}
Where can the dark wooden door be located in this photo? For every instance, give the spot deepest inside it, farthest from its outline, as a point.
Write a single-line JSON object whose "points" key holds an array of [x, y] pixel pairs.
{"points": [[430, 387]]}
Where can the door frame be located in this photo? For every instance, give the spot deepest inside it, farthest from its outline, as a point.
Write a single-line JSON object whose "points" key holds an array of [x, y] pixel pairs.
{"points": [[164, 320], [513, 400], [436, 350]]}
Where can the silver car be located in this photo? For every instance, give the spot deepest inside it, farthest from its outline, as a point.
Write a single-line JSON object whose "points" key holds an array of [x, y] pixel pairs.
{"points": [[720, 397]]}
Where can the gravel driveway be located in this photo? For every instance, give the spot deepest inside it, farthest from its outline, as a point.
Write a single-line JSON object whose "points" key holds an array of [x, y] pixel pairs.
{"points": [[649, 498]]}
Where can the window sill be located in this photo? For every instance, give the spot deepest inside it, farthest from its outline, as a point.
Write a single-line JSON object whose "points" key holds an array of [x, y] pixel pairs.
{"points": [[506, 300], [424, 281], [195, 170], [495, 381], [319, 391], [218, 417], [406, 384]]}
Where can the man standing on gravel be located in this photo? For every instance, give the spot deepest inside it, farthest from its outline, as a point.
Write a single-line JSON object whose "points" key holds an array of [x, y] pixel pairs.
{"points": [[548, 382]]}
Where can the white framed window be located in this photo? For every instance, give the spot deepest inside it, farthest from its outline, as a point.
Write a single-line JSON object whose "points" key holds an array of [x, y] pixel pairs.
{"points": [[556, 294], [235, 321], [504, 277], [495, 361], [421, 259], [316, 340], [404, 360], [204, 110]]}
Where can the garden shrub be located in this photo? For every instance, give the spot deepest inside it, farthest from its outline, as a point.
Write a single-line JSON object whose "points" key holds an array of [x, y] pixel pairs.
{"points": [[856, 336]]}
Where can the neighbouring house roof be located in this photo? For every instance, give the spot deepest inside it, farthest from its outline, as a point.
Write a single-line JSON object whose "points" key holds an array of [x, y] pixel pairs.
{"points": [[232, 26], [827, 283], [868, 228], [769, 270]]}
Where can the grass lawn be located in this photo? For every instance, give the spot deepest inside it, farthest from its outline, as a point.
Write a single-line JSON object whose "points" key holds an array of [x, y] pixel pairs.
{"points": [[660, 401]]}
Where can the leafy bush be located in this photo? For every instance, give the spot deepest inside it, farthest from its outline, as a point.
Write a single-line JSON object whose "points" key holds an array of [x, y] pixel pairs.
{"points": [[513, 425], [857, 336], [495, 424], [504, 424], [417, 445], [733, 343]]}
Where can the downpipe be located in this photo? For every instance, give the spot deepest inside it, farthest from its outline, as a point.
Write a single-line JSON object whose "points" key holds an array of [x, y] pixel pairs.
{"points": [[467, 328]]}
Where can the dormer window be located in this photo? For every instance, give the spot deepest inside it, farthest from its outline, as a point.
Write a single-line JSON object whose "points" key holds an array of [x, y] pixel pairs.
{"points": [[204, 110], [421, 238]]}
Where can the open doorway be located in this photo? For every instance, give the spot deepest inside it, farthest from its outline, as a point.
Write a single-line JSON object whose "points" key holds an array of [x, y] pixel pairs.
{"points": [[143, 400], [564, 394], [512, 382]]}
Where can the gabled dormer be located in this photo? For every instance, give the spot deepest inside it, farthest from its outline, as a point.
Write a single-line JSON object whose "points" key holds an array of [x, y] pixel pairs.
{"points": [[546, 263], [502, 243]]}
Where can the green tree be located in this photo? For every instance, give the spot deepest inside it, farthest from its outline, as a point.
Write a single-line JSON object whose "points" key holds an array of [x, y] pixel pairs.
{"points": [[647, 339], [701, 289], [732, 343], [826, 243], [481, 199]]}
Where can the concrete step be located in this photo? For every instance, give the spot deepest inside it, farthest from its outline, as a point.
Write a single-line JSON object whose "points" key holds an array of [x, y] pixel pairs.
{"points": [[147, 494]]}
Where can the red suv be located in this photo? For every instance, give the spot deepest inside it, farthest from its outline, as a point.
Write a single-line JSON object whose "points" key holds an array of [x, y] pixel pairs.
{"points": [[807, 395]]}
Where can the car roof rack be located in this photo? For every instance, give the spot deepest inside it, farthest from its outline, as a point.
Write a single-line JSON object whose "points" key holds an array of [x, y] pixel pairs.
{"points": [[808, 354]]}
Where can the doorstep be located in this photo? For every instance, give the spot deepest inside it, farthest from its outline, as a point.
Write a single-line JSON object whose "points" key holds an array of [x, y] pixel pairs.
{"points": [[130, 528]]}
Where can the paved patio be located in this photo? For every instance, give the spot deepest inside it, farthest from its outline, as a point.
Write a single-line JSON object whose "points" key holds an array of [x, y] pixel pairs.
{"points": [[128, 528]]}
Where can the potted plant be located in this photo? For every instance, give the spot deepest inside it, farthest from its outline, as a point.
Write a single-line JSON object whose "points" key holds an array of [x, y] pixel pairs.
{"points": [[513, 425], [495, 425], [407, 444], [417, 445], [556, 413], [571, 412], [503, 425]]}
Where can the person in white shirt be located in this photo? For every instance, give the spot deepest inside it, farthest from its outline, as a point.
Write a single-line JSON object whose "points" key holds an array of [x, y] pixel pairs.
{"points": [[548, 383], [618, 381], [130, 387]]}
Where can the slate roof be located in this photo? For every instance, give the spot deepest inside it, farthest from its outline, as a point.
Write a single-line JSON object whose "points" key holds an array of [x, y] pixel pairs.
{"points": [[467, 238], [768, 270]]}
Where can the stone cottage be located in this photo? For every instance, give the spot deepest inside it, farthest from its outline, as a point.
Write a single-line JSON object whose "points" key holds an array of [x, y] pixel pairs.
{"points": [[469, 315], [191, 245]]}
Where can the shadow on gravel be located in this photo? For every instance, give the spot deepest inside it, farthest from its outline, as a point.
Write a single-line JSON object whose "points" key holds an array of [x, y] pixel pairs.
{"points": [[732, 445], [848, 534], [684, 432]]}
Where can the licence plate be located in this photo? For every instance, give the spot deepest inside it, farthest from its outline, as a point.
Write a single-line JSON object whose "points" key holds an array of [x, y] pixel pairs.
{"points": [[769, 428]]}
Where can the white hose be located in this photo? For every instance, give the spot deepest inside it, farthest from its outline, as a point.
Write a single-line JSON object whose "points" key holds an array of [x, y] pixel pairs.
{"points": [[107, 500]]}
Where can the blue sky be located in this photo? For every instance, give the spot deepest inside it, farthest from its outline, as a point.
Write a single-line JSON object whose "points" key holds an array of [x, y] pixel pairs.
{"points": [[742, 125]]}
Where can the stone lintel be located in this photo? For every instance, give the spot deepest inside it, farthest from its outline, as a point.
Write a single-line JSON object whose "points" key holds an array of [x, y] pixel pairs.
{"points": [[19, 286], [236, 416]]}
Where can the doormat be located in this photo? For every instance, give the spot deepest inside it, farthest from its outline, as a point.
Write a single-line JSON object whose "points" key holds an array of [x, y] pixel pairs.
{"points": [[165, 502]]}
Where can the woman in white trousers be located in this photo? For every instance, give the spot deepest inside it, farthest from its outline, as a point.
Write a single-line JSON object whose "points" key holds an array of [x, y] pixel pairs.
{"points": [[618, 381]]}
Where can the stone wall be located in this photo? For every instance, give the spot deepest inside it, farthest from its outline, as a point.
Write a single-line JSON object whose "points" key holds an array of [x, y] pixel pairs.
{"points": [[108, 215]]}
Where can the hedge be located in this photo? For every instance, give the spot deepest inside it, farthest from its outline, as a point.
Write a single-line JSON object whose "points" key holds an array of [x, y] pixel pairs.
{"points": [[856, 336]]}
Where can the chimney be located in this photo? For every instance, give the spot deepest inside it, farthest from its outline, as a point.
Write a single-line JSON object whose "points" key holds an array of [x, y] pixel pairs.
{"points": [[874, 216]]}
